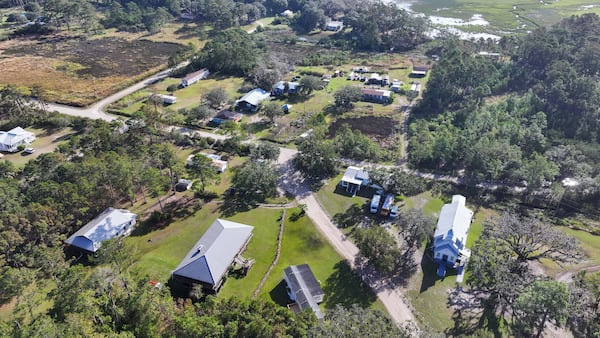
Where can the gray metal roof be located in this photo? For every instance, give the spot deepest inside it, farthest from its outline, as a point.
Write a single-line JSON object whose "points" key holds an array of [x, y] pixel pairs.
{"points": [[305, 287], [255, 96], [211, 256], [109, 224]]}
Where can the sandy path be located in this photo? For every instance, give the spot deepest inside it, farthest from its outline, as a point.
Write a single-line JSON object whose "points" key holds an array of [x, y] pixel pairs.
{"points": [[291, 181]]}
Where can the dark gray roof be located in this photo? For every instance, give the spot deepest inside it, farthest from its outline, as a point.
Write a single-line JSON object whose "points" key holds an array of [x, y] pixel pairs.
{"points": [[211, 256], [305, 287], [109, 224]]}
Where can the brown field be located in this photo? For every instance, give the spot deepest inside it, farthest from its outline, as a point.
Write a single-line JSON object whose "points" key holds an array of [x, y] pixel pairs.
{"points": [[379, 127], [77, 71]]}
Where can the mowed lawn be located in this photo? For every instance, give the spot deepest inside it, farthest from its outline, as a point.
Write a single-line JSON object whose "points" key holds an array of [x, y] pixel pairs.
{"points": [[304, 244], [159, 252], [334, 200], [187, 97]]}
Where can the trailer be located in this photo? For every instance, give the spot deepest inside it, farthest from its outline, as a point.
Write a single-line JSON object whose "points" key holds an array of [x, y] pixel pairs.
{"points": [[387, 204]]}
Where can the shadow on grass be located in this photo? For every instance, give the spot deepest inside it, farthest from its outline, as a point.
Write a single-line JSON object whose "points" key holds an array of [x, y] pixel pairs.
{"points": [[178, 209], [472, 315], [235, 204], [345, 287], [351, 217], [279, 294], [430, 273]]}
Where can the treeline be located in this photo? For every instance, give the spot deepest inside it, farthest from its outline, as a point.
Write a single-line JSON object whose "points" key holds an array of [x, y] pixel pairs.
{"points": [[106, 299], [530, 115]]}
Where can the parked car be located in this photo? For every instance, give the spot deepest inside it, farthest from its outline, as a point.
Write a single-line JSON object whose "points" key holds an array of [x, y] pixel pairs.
{"points": [[394, 212], [28, 150]]}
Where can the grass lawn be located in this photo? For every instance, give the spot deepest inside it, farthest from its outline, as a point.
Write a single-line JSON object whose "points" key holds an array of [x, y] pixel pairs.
{"points": [[428, 294], [47, 140], [304, 244], [187, 97], [262, 248], [334, 202], [590, 244]]}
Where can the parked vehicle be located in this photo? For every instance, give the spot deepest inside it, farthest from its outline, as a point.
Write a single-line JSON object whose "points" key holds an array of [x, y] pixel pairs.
{"points": [[394, 212], [375, 203], [387, 204]]}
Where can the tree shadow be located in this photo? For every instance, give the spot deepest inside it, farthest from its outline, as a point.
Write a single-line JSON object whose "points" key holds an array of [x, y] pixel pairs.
{"points": [[351, 217], [235, 204], [406, 268], [471, 315], [346, 288], [178, 209], [279, 294]]}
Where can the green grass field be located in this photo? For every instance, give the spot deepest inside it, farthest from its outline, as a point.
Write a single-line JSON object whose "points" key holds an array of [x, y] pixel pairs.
{"points": [[303, 244], [333, 202]]}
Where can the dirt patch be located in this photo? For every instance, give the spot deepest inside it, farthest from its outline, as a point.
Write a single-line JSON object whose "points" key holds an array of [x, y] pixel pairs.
{"points": [[102, 57], [79, 71], [378, 127]]}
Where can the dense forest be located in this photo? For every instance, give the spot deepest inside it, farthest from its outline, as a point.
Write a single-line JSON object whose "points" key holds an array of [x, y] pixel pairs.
{"points": [[529, 116]]}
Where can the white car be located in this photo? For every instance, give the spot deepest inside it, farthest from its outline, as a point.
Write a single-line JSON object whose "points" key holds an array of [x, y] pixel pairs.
{"points": [[28, 150]]}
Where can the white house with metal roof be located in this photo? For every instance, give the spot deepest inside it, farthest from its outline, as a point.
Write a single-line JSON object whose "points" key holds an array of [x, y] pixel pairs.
{"points": [[303, 288], [109, 224], [251, 101], [209, 259], [354, 178], [450, 237], [12, 139]]}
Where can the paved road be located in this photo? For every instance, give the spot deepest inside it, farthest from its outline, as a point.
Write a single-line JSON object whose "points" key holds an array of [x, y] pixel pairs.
{"points": [[292, 182]]}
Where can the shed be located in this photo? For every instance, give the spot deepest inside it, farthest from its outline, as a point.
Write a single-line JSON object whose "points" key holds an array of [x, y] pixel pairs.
{"points": [[354, 178], [419, 71], [303, 288]]}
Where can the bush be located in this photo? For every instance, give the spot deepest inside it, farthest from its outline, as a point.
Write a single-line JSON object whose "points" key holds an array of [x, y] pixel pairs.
{"points": [[172, 88]]}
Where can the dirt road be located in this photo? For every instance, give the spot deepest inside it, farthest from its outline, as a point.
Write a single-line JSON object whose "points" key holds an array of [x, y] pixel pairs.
{"points": [[96, 111], [291, 181]]}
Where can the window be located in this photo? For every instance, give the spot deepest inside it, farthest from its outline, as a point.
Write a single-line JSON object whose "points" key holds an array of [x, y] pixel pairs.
{"points": [[438, 254], [452, 258]]}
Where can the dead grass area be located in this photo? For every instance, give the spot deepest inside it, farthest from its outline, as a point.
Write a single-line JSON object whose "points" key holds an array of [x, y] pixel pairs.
{"points": [[77, 71], [380, 128]]}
